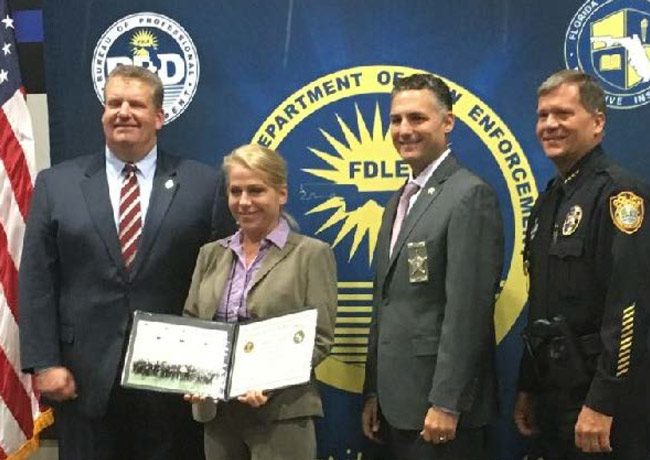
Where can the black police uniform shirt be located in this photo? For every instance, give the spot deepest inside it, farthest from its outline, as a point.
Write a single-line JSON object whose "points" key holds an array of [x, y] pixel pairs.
{"points": [[587, 254]]}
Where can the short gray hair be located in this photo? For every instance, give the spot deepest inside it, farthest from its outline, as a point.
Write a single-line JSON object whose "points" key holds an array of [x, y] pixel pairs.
{"points": [[592, 96]]}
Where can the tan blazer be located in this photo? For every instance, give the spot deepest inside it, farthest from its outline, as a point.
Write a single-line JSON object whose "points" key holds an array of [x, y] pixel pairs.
{"points": [[302, 274]]}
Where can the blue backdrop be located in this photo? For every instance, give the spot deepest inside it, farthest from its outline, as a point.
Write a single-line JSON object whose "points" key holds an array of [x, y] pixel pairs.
{"points": [[312, 78]]}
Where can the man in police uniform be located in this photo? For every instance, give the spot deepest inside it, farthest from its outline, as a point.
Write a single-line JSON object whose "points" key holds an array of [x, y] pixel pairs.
{"points": [[583, 377]]}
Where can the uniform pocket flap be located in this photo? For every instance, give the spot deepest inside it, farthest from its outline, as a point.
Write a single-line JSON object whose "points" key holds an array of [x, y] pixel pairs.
{"points": [[571, 247], [425, 346], [66, 334]]}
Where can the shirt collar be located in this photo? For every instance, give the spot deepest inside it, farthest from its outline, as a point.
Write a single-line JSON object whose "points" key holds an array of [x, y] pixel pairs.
{"points": [[422, 178], [278, 236], [146, 166], [581, 169]]}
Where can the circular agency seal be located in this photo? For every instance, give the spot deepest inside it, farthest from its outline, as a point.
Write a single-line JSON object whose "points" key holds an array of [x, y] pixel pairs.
{"points": [[155, 42], [469, 109], [610, 40]]}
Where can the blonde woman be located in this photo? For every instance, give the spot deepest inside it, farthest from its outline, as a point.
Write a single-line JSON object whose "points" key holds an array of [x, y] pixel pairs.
{"points": [[264, 269]]}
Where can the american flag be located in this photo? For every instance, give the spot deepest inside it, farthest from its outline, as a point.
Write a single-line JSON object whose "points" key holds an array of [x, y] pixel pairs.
{"points": [[21, 416]]}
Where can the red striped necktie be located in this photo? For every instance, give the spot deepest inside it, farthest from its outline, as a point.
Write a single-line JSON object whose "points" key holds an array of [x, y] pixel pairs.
{"points": [[130, 226]]}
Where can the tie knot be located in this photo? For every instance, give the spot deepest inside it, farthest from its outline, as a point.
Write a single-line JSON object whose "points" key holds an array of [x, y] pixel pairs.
{"points": [[410, 189], [129, 168]]}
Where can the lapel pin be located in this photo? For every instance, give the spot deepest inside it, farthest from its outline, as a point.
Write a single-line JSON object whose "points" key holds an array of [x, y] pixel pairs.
{"points": [[431, 190], [169, 184]]}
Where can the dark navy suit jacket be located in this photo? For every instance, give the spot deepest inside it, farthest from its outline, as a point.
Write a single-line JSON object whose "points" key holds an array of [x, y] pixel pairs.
{"points": [[76, 296]]}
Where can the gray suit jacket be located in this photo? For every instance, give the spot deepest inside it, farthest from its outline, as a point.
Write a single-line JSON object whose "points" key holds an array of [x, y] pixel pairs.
{"points": [[432, 342], [301, 274], [76, 296]]}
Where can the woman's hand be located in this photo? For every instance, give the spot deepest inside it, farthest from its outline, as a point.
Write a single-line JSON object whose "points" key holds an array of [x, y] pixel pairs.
{"points": [[254, 398], [195, 398]]}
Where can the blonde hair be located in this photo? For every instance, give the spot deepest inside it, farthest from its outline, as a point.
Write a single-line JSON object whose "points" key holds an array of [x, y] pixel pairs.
{"points": [[265, 161], [259, 159]]}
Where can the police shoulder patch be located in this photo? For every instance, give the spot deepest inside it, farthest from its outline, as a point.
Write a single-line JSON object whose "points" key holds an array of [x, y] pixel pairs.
{"points": [[627, 210]]}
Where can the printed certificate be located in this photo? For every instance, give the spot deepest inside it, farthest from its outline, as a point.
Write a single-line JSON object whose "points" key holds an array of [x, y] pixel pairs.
{"points": [[220, 360], [273, 353]]}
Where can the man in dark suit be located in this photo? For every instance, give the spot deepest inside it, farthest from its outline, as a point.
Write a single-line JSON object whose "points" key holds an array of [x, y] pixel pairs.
{"points": [[430, 383], [108, 234]]}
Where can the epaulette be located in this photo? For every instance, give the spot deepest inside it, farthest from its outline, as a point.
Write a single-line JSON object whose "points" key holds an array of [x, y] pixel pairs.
{"points": [[623, 178]]}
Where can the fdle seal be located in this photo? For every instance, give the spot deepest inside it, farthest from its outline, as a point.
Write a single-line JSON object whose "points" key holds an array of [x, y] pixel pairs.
{"points": [[336, 124]]}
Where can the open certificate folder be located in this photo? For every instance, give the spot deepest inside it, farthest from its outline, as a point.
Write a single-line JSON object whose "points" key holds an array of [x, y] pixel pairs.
{"points": [[220, 360]]}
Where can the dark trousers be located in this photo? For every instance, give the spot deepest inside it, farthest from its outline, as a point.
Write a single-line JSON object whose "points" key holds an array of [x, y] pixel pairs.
{"points": [[470, 444], [138, 425], [556, 413]]}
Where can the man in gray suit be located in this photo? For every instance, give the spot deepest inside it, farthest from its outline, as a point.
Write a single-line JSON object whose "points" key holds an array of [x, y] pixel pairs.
{"points": [[109, 233], [430, 382]]}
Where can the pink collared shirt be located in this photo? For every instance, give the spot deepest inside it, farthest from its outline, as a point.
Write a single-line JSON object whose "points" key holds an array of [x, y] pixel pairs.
{"points": [[233, 302]]}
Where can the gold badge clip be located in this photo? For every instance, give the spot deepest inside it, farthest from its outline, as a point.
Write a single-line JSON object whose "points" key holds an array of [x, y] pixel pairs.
{"points": [[417, 258]]}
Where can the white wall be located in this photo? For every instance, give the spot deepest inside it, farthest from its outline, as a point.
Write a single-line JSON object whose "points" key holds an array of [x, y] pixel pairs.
{"points": [[37, 104]]}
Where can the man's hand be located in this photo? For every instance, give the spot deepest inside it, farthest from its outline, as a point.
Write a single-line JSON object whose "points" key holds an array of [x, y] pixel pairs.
{"points": [[57, 383], [592, 431], [370, 419], [439, 426], [524, 414], [254, 398]]}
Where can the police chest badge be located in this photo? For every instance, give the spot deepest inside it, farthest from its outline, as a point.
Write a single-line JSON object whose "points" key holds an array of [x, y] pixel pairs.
{"points": [[572, 220], [627, 211], [417, 257]]}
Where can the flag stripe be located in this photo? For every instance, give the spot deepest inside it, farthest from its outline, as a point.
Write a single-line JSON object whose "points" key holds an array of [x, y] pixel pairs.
{"points": [[10, 218], [8, 332], [15, 166], [21, 417], [17, 113], [9, 343], [12, 437], [8, 275], [13, 393], [21, 401]]}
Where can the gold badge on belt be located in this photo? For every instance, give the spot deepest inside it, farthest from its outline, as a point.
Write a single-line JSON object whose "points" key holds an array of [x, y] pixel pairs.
{"points": [[572, 220], [627, 211], [417, 257]]}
